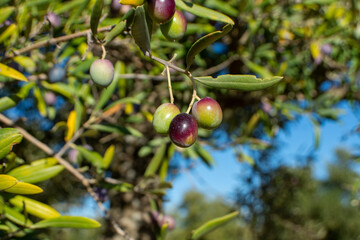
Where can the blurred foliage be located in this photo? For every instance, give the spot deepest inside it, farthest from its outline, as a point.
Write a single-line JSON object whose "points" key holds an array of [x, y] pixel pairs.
{"points": [[290, 203], [195, 209], [313, 43]]}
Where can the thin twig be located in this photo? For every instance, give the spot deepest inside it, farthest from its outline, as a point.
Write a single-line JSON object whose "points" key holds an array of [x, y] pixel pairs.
{"points": [[85, 182], [169, 85], [194, 95], [53, 41]]}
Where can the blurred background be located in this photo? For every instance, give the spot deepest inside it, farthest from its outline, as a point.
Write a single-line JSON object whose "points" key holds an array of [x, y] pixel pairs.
{"points": [[286, 157]]}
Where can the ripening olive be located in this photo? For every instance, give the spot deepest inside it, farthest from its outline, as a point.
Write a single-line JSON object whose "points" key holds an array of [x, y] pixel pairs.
{"points": [[207, 113], [161, 11], [174, 29]]}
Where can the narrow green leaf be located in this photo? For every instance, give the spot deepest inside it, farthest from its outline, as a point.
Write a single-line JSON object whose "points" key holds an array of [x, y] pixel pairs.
{"points": [[41, 105], [16, 217], [124, 100], [8, 102], [24, 188], [93, 157], [11, 73], [117, 129], [238, 82], [140, 30], [67, 222], [203, 42], [8, 138], [108, 156], [61, 88], [125, 22], [5, 12], [108, 92], [156, 161], [263, 72], [79, 109], [35, 175], [96, 15], [34, 207], [4, 228], [212, 225], [7, 181], [203, 12]]}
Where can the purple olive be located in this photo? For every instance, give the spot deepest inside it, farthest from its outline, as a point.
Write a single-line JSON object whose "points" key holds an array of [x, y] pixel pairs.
{"points": [[102, 72], [183, 130], [161, 11], [207, 113], [174, 29], [163, 116], [53, 19]]}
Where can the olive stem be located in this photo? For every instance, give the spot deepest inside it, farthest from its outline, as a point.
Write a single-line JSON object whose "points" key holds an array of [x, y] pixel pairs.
{"points": [[194, 95], [197, 97], [103, 51], [169, 85]]}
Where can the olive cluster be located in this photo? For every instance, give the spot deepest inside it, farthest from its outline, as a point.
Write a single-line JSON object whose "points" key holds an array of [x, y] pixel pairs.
{"points": [[172, 21], [183, 127]]}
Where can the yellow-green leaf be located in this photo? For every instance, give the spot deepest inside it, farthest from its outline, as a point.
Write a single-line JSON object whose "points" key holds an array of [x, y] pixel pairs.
{"points": [[16, 217], [108, 156], [71, 124], [26, 62], [6, 182], [11, 73], [24, 188], [8, 138], [67, 222], [5, 13], [212, 225], [203, 11], [8, 32], [34, 207]]}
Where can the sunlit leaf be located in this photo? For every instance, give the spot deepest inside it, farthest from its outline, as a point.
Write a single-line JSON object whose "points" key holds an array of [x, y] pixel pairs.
{"points": [[5, 12], [238, 82], [8, 32], [11, 73], [108, 156], [24, 188], [41, 105], [93, 157], [34, 207], [7, 181], [8, 138], [16, 217], [203, 11], [67, 222], [71, 123], [203, 42], [212, 225], [27, 62], [132, 2], [32, 174]]}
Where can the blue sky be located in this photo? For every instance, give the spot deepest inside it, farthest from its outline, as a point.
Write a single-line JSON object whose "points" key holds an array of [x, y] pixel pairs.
{"points": [[298, 140], [222, 179]]}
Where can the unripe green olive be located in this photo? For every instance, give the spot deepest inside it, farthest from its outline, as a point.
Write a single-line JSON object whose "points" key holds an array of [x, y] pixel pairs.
{"points": [[175, 29], [163, 116], [102, 72]]}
